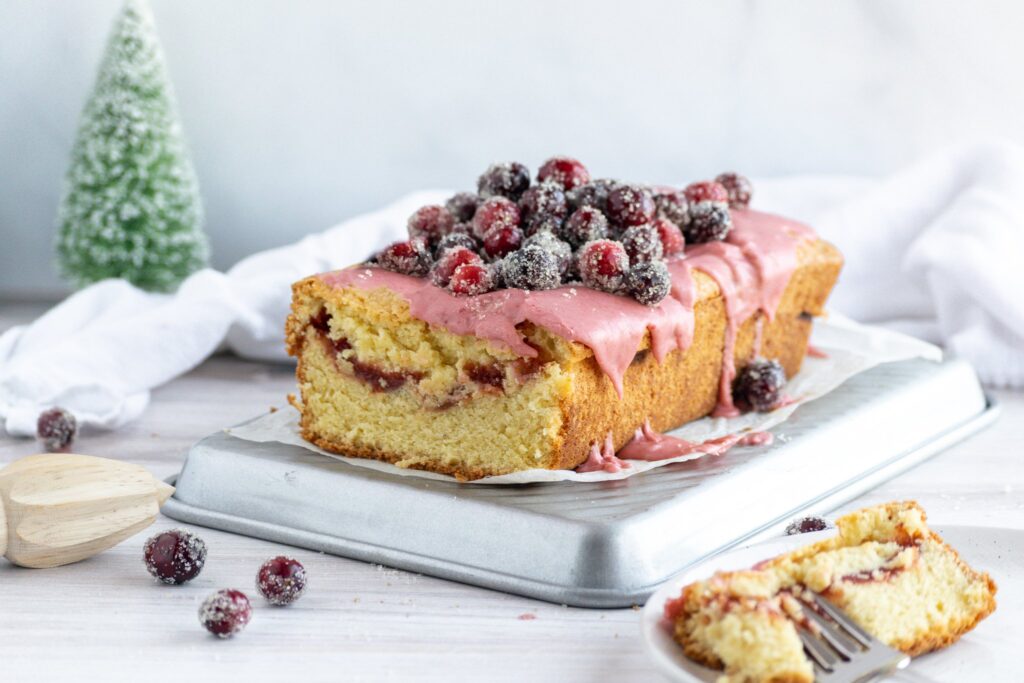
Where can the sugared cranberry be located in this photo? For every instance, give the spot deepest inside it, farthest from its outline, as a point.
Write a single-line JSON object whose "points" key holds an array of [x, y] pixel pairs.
{"points": [[409, 258], [642, 243], [807, 525], [543, 201], [455, 240], [594, 193], [502, 240], [471, 279], [496, 212], [545, 223], [225, 613], [709, 222], [738, 188], [462, 206], [603, 265], [672, 241], [504, 180], [56, 429], [586, 224], [559, 249], [706, 191], [564, 171], [630, 205], [649, 282], [673, 206], [442, 271], [531, 268], [174, 556], [430, 223], [759, 385], [281, 580]]}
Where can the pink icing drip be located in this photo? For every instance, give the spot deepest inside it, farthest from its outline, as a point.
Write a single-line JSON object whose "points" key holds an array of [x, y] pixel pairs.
{"points": [[602, 458], [651, 446], [815, 352]]}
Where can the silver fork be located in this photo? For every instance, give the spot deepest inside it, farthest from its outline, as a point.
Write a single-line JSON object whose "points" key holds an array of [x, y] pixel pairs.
{"points": [[843, 652]]}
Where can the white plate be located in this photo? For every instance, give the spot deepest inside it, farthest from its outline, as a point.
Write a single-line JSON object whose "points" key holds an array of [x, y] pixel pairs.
{"points": [[988, 653]]}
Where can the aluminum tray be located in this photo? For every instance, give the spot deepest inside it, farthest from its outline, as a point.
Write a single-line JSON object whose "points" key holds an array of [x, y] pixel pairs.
{"points": [[606, 544]]}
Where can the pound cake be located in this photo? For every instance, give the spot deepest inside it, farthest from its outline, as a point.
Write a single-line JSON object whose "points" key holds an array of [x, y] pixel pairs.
{"points": [[525, 325], [885, 569]]}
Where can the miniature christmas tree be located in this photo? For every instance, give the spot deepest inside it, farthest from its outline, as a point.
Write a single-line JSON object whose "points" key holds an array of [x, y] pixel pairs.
{"points": [[131, 208]]}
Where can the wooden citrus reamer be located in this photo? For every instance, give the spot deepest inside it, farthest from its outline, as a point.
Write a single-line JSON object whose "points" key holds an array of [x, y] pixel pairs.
{"points": [[58, 508]]}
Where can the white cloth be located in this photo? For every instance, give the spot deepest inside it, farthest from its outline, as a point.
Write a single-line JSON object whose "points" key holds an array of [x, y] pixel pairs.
{"points": [[934, 250]]}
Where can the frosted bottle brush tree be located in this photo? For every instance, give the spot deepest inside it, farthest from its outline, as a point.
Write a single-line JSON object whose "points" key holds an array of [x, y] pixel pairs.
{"points": [[131, 208]]}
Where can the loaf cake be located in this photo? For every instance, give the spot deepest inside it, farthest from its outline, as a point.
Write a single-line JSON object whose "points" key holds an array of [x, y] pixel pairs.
{"points": [[884, 568], [523, 326]]}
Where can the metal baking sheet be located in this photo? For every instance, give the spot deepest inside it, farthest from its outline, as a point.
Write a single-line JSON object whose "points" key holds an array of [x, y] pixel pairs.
{"points": [[607, 544]]}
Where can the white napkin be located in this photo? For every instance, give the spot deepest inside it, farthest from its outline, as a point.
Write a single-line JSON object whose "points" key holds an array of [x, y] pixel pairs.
{"points": [[933, 250]]}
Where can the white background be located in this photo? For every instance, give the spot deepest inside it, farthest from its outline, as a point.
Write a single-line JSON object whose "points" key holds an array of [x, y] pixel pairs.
{"points": [[302, 113]]}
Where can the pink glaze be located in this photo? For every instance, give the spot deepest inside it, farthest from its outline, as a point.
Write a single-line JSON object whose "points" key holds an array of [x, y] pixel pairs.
{"points": [[602, 458], [814, 352], [651, 446], [752, 268]]}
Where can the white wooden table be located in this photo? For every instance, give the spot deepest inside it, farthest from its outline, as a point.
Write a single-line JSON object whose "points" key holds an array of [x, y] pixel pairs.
{"points": [[105, 619]]}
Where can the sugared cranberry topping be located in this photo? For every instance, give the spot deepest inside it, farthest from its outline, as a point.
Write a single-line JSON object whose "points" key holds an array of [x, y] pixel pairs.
{"points": [[673, 206], [225, 613], [672, 241], [502, 240], [586, 224], [564, 171], [174, 556], [281, 580], [759, 385], [504, 180], [56, 429], [454, 240], [630, 205], [430, 223], [706, 191], [409, 258], [603, 265], [559, 249], [807, 525], [543, 202], [709, 222], [462, 206], [738, 188], [496, 212], [531, 268], [649, 282], [642, 243], [442, 271], [594, 193], [471, 279]]}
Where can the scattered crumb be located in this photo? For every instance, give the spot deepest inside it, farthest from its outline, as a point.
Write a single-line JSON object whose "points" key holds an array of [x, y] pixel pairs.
{"points": [[635, 608], [526, 616], [273, 409]]}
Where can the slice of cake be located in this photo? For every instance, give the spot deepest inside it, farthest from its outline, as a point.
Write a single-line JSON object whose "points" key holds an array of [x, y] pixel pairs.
{"points": [[891, 574], [523, 326]]}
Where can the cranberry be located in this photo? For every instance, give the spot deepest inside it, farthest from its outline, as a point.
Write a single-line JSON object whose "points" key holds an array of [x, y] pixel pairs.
{"points": [[504, 180], [603, 265], [706, 191], [642, 243], [630, 205], [496, 212], [709, 222], [225, 613], [586, 224], [174, 556], [564, 171], [471, 279], [738, 188], [547, 223], [430, 223], [455, 240], [281, 580], [759, 385], [674, 206], [502, 240], [807, 525], [409, 258], [594, 193], [559, 249], [672, 241], [56, 429], [443, 268], [462, 206], [543, 201], [531, 268], [649, 282]]}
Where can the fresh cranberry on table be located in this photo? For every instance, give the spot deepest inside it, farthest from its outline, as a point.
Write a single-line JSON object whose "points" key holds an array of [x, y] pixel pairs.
{"points": [[409, 258], [630, 205], [531, 268], [759, 385], [225, 613], [502, 240], [649, 282], [642, 243], [709, 222], [673, 205], [174, 557], [586, 224], [565, 171], [281, 580], [807, 525], [462, 206], [430, 223], [56, 429], [603, 265], [672, 240], [496, 212], [558, 248], [443, 268], [738, 188], [706, 191], [471, 279], [508, 180]]}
